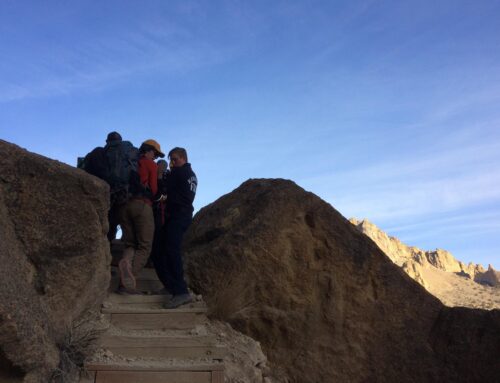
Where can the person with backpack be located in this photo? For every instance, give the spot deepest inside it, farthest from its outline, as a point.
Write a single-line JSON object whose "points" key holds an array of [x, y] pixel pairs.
{"points": [[181, 184], [112, 164], [136, 218]]}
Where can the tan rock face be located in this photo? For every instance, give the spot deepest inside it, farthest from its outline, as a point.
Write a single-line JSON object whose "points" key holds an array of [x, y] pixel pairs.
{"points": [[443, 260], [324, 301], [450, 280], [54, 257], [490, 277]]}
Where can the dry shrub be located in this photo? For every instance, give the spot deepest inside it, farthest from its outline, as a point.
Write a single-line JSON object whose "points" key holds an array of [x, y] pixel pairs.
{"points": [[79, 342]]}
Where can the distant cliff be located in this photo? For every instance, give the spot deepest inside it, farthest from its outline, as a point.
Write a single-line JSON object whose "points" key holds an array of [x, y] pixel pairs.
{"points": [[452, 281]]}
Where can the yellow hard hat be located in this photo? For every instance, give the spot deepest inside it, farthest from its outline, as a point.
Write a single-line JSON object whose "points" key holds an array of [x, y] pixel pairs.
{"points": [[156, 147]]}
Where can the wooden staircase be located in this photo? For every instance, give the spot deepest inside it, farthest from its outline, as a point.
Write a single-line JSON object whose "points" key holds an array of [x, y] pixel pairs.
{"points": [[145, 343]]}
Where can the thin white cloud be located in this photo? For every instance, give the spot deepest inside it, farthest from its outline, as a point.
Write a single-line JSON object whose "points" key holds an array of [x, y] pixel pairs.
{"points": [[409, 197], [417, 185], [487, 219], [101, 63]]}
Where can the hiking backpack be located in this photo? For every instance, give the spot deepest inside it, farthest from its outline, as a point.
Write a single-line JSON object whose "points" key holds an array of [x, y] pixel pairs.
{"points": [[95, 163], [122, 164]]}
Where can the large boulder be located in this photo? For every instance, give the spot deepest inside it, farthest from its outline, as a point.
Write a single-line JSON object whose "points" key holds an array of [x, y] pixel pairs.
{"points": [[284, 267], [54, 256]]}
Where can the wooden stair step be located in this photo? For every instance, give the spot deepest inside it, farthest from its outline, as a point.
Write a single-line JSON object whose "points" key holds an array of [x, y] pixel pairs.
{"points": [[140, 365], [153, 377], [163, 346], [209, 352], [113, 340], [153, 308], [161, 320], [138, 372], [131, 299]]}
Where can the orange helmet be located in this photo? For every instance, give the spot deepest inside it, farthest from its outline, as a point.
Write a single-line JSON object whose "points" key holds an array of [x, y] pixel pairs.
{"points": [[156, 147]]}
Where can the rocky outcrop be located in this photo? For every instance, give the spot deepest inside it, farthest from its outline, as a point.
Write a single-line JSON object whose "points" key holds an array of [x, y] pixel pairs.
{"points": [[414, 270], [326, 304], [452, 281], [401, 253], [490, 277], [54, 255], [245, 362]]}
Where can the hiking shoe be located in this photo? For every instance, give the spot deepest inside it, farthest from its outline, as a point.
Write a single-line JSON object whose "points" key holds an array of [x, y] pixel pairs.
{"points": [[178, 300], [126, 276], [124, 291]]}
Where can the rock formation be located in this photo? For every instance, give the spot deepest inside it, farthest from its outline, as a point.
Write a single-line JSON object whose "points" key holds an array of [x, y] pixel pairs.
{"points": [[490, 277], [452, 281], [54, 255], [326, 304]]}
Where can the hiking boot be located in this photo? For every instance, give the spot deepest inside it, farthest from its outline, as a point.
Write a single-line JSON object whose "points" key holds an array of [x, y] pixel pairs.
{"points": [[178, 300], [126, 276], [124, 291]]}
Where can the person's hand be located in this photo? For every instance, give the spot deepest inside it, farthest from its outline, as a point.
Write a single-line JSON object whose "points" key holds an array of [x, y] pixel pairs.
{"points": [[163, 197]]}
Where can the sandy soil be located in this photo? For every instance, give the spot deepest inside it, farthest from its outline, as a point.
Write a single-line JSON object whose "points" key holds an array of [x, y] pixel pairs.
{"points": [[454, 290]]}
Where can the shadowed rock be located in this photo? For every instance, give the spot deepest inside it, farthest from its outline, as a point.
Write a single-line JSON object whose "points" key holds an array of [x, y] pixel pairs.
{"points": [[54, 256], [284, 267]]}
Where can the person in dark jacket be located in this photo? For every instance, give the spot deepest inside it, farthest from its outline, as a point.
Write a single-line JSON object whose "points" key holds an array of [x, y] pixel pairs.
{"points": [[181, 184], [96, 164], [159, 205]]}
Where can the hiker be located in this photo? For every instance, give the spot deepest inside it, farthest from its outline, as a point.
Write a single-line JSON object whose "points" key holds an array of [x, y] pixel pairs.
{"points": [[95, 162], [181, 184], [159, 204], [105, 163], [136, 218]]}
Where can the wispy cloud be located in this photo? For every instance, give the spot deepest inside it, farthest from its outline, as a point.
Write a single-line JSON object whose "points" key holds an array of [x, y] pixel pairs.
{"points": [[97, 64], [439, 181], [463, 225]]}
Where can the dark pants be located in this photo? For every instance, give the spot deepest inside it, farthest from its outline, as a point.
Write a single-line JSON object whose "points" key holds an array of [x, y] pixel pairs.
{"points": [[159, 236], [158, 248], [169, 264]]}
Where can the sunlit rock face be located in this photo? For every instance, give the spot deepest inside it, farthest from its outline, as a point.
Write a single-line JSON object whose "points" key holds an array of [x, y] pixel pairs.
{"points": [[54, 256], [490, 277], [453, 282], [327, 305]]}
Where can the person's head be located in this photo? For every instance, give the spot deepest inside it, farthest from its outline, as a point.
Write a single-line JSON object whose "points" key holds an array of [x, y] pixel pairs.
{"points": [[178, 157], [113, 136], [162, 167], [151, 149]]}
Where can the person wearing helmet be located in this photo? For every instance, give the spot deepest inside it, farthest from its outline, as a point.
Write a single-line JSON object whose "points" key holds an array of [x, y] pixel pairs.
{"points": [[137, 220]]}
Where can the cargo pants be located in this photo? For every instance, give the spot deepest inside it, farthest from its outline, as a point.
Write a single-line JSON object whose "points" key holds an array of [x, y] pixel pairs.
{"points": [[137, 223]]}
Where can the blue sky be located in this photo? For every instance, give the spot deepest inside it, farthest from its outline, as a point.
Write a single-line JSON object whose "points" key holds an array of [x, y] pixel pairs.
{"points": [[388, 110]]}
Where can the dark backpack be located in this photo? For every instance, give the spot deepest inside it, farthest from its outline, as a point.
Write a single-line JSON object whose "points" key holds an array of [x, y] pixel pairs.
{"points": [[95, 163], [122, 162]]}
